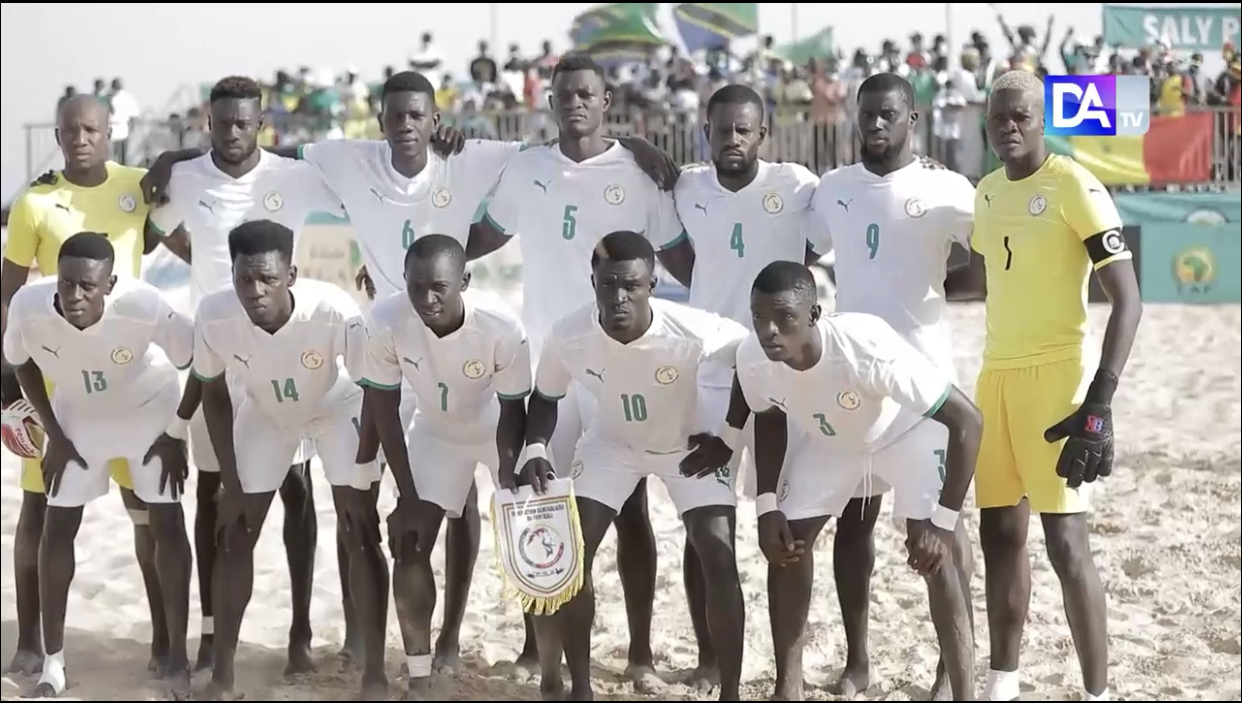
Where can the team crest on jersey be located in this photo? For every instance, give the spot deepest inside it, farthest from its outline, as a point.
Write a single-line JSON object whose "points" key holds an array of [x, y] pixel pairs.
{"points": [[1037, 205], [273, 201], [784, 492], [122, 356], [614, 195], [666, 375], [915, 208], [773, 204], [312, 360], [127, 203], [441, 198], [848, 400], [474, 369], [576, 470]]}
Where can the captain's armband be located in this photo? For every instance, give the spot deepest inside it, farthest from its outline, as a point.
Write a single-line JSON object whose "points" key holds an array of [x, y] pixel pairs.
{"points": [[1106, 247]]}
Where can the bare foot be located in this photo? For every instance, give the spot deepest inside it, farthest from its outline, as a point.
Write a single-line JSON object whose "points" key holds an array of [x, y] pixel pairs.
{"points": [[447, 660], [43, 690], [526, 668], [206, 654], [158, 665], [26, 662], [586, 694], [374, 691], [854, 680], [644, 678], [941, 690], [705, 677], [418, 690], [300, 659], [350, 654], [217, 692], [553, 690], [179, 685]]}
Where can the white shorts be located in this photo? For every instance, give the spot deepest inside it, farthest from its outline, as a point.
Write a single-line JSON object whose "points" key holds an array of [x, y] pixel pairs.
{"points": [[204, 455], [574, 413], [821, 485], [125, 434], [265, 450], [444, 470]]}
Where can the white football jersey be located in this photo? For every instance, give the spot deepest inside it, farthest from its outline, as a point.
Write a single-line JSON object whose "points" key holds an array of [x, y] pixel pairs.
{"points": [[868, 388], [647, 390], [559, 209], [736, 235], [389, 211], [456, 378], [210, 203], [131, 355], [293, 374], [892, 235]]}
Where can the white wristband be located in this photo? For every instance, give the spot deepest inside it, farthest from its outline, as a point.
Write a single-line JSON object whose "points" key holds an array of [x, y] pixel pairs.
{"points": [[731, 436], [177, 429], [766, 503], [536, 451], [945, 518]]}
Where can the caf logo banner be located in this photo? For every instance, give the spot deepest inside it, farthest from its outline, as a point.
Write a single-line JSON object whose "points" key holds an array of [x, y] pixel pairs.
{"points": [[539, 545]]}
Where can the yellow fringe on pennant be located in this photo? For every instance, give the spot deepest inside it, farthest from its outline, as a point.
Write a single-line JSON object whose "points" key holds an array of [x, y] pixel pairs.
{"points": [[547, 605]]}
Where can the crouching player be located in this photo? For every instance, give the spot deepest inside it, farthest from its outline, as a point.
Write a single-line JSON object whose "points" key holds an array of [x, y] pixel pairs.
{"points": [[112, 349], [459, 351], [872, 404], [283, 344]]}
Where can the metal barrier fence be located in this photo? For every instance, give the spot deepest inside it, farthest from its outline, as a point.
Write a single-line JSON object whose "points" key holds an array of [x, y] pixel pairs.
{"points": [[954, 137]]}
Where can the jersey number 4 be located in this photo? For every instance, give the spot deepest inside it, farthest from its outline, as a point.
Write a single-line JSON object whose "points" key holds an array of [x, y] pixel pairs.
{"points": [[736, 242]]}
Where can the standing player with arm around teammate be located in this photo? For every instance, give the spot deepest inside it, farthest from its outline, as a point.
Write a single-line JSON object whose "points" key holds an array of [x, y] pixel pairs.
{"points": [[458, 351], [894, 218], [559, 201], [862, 393], [284, 345], [90, 193], [741, 213], [639, 359], [1042, 223], [208, 196], [112, 348]]}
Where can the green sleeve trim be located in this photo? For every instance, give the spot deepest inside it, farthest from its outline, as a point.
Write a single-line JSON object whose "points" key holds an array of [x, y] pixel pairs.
{"points": [[156, 228], [676, 240], [935, 408], [368, 383], [487, 220], [301, 153], [513, 396], [545, 396], [204, 379]]}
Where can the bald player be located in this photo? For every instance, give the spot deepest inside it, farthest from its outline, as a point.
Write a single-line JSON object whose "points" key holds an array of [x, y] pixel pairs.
{"points": [[89, 193], [1042, 224]]}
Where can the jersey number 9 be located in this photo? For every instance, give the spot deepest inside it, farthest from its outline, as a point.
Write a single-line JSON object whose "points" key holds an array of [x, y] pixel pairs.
{"points": [[873, 240]]}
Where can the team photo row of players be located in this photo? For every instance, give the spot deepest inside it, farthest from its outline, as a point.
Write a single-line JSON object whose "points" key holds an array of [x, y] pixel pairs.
{"points": [[596, 381]]}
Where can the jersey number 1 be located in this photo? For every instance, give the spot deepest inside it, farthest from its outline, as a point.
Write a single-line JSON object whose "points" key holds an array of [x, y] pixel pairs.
{"points": [[736, 243], [407, 235]]}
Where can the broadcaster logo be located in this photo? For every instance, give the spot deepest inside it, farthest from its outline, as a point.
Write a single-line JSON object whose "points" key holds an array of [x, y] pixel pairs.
{"points": [[1097, 106]]}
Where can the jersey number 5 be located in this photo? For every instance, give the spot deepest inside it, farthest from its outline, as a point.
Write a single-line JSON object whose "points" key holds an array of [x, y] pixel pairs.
{"points": [[873, 240], [736, 243], [569, 224]]}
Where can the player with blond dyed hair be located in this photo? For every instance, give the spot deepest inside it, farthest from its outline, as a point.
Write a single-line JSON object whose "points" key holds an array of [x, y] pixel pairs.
{"points": [[1043, 222]]}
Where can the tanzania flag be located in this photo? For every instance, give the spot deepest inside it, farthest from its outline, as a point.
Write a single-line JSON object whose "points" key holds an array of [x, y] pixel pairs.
{"points": [[1174, 150], [711, 25]]}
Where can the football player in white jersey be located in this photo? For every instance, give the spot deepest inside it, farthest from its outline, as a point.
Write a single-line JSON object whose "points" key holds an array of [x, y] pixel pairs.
{"points": [[112, 348], [893, 217], [741, 213], [459, 352], [639, 359], [559, 201], [208, 196], [283, 345], [862, 393]]}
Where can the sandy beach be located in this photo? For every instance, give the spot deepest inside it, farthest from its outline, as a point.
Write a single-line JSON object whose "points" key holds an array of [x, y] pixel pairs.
{"points": [[1166, 534]]}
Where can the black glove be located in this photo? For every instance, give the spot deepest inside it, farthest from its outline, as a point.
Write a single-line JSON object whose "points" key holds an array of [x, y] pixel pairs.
{"points": [[1088, 435]]}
